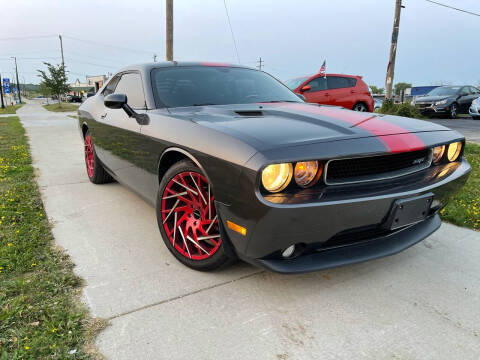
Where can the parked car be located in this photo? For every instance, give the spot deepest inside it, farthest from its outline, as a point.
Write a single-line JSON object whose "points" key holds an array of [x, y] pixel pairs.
{"points": [[378, 103], [475, 109], [74, 98], [447, 101], [348, 91], [238, 166]]}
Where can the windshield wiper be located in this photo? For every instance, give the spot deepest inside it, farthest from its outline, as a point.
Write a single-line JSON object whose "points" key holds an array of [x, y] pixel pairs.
{"points": [[204, 104]]}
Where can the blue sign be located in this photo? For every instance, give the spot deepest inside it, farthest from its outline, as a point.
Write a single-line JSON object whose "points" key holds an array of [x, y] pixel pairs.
{"points": [[14, 90], [6, 85]]}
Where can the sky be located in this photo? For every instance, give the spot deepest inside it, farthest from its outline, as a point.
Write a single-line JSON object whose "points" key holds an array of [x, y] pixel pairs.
{"points": [[293, 37]]}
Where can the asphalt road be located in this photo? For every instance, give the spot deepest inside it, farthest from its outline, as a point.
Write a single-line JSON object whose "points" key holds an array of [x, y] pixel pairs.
{"points": [[421, 304], [466, 126]]}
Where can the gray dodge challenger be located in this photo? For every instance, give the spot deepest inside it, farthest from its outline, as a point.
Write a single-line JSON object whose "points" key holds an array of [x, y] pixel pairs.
{"points": [[239, 167]]}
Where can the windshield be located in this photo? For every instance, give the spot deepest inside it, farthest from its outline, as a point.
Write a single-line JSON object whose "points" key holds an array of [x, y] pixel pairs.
{"points": [[216, 85], [294, 83], [444, 91]]}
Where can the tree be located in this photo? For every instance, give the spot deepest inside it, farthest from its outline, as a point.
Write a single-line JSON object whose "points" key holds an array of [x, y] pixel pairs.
{"points": [[377, 90], [401, 86], [42, 89], [55, 81]]}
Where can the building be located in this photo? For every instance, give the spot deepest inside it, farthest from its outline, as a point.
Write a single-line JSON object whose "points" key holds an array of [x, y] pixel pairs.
{"points": [[91, 85]]}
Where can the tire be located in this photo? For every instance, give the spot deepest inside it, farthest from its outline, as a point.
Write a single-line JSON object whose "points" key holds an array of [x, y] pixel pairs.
{"points": [[95, 170], [453, 111], [193, 214], [360, 106]]}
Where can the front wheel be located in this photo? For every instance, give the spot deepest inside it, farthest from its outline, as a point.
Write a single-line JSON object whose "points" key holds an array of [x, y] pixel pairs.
{"points": [[360, 107], [188, 220], [453, 111]]}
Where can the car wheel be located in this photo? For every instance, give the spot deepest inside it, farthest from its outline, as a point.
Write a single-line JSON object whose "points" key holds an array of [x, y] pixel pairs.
{"points": [[360, 107], [188, 220], [95, 171], [453, 111]]}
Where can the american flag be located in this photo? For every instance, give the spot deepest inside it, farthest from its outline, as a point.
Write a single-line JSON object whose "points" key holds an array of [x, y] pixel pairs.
{"points": [[323, 69]]}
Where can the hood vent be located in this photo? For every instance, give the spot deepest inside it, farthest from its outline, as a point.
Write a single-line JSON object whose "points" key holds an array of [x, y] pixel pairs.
{"points": [[254, 113]]}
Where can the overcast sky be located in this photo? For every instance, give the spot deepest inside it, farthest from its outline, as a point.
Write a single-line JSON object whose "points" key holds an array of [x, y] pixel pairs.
{"points": [[292, 37]]}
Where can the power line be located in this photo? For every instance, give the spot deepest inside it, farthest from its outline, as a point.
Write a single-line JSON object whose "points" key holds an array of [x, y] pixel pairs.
{"points": [[27, 37], [90, 63], [453, 8], [231, 30], [149, 52]]}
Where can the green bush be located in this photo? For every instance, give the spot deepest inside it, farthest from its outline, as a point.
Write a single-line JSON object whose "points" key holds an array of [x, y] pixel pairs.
{"points": [[406, 110]]}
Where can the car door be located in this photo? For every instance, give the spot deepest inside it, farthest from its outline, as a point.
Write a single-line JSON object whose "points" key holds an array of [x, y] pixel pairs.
{"points": [[342, 91], [318, 91], [119, 135], [465, 99]]}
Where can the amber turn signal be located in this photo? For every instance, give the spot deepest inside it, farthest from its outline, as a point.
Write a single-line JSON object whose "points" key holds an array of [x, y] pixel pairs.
{"points": [[237, 228], [307, 173]]}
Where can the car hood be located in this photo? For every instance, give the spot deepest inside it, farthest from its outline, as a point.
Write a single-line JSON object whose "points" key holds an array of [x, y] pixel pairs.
{"points": [[430, 99], [271, 125]]}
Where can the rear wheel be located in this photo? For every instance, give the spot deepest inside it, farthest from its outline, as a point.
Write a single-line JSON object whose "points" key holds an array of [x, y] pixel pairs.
{"points": [[360, 107], [188, 220], [95, 171]]}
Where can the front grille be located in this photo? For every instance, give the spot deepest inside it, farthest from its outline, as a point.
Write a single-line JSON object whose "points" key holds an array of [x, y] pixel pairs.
{"points": [[362, 169], [355, 236], [423, 106]]}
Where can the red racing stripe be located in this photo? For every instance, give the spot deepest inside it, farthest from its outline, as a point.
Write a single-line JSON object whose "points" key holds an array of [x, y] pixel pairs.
{"points": [[395, 138]]}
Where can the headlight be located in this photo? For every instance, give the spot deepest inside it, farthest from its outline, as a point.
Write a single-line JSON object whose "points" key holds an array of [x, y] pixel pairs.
{"points": [[454, 150], [441, 102], [307, 173], [438, 152], [276, 177]]}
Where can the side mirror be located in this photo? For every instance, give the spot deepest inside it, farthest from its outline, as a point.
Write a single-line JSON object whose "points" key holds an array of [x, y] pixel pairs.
{"points": [[306, 88], [115, 101]]}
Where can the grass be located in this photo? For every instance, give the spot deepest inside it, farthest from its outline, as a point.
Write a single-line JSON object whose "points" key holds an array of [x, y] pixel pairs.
{"points": [[61, 107], [10, 109], [41, 316], [464, 208]]}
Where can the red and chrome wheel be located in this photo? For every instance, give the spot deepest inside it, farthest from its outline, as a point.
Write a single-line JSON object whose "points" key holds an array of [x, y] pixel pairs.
{"points": [[187, 217], [89, 156], [95, 171]]}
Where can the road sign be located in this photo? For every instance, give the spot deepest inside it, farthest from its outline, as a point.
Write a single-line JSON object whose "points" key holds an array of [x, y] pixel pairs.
{"points": [[6, 85], [14, 90]]}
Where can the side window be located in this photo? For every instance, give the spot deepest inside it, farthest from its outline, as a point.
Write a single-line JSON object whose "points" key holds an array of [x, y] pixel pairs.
{"points": [[474, 90], [339, 82], [130, 84], [464, 91], [318, 84], [110, 88]]}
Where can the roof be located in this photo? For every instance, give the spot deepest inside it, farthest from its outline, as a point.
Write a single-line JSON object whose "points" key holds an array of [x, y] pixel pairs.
{"points": [[149, 66]]}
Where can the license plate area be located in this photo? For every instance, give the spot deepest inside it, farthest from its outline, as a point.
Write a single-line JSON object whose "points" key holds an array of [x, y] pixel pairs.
{"points": [[409, 211]]}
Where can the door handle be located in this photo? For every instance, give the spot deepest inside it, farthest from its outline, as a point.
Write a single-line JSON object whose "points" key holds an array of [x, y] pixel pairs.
{"points": [[103, 116], [327, 94]]}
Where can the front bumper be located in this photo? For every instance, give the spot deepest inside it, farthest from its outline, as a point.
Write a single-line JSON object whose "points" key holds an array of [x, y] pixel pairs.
{"points": [[474, 111], [326, 225], [433, 110]]}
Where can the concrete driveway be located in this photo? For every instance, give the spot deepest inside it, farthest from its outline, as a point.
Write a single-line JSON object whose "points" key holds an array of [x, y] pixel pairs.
{"points": [[421, 304]]}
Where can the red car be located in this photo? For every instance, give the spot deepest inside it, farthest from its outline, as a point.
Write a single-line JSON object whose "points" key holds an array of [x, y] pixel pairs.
{"points": [[349, 91]]}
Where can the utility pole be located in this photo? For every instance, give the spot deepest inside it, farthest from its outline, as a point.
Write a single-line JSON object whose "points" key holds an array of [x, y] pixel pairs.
{"points": [[61, 49], [260, 62], [393, 51], [1, 91], [154, 57], [169, 32], [18, 82]]}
